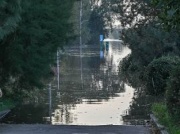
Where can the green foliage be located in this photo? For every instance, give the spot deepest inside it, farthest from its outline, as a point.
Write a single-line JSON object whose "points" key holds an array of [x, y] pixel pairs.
{"points": [[28, 48], [173, 93], [154, 51], [169, 13], [146, 39], [131, 72], [157, 73], [6, 104], [134, 13], [147, 43], [9, 17], [141, 105], [161, 112], [102, 16], [96, 25]]}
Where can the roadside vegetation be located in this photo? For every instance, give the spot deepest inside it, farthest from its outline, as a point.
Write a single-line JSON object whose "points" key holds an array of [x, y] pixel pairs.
{"points": [[6, 104], [31, 32], [151, 30], [160, 110]]}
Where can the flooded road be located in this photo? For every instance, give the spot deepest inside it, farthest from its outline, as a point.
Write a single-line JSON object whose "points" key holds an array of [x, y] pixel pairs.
{"points": [[95, 112], [99, 98], [104, 97]]}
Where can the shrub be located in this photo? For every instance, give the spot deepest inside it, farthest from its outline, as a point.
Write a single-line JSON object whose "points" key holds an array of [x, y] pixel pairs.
{"points": [[157, 73], [160, 110], [173, 93]]}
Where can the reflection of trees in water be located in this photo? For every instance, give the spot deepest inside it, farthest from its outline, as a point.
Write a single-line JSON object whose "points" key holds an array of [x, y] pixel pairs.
{"points": [[106, 80], [63, 106], [101, 81], [140, 107], [29, 113], [70, 92], [62, 114]]}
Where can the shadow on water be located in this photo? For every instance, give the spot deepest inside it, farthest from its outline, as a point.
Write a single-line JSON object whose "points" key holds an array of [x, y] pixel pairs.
{"points": [[25, 114], [140, 108]]}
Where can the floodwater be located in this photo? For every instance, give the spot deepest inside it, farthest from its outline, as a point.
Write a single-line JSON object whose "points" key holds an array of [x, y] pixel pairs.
{"points": [[104, 98], [99, 98], [95, 112]]}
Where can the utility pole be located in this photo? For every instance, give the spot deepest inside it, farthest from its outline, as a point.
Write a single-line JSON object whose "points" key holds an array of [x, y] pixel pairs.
{"points": [[58, 68], [50, 102], [80, 41], [58, 56]]}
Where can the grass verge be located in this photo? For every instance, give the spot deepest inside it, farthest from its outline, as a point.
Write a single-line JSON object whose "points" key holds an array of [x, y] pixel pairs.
{"points": [[161, 112], [6, 104]]}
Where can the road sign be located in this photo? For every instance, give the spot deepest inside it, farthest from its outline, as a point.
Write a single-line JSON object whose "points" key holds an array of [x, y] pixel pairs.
{"points": [[101, 54], [101, 37]]}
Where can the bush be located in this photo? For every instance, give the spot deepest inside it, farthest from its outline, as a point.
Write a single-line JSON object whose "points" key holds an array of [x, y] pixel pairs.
{"points": [[6, 104], [157, 73], [161, 112], [173, 93]]}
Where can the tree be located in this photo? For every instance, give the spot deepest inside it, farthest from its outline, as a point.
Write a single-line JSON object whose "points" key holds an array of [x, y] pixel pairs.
{"points": [[169, 13], [145, 37], [9, 18], [28, 51], [158, 72], [173, 93], [96, 25]]}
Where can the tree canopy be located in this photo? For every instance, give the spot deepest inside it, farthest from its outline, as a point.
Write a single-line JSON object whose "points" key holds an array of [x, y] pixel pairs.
{"points": [[31, 33], [169, 13], [151, 30]]}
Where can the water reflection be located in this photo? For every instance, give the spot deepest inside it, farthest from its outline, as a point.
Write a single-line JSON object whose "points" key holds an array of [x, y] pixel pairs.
{"points": [[28, 113], [104, 99], [94, 111]]}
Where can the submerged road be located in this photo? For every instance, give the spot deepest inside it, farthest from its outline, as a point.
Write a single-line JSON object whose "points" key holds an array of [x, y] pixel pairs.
{"points": [[63, 129]]}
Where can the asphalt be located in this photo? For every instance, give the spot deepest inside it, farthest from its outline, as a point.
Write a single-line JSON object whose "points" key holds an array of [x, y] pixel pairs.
{"points": [[63, 129]]}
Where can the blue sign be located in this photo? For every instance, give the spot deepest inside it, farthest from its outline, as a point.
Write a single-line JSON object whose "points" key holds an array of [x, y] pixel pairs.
{"points": [[101, 54], [101, 37]]}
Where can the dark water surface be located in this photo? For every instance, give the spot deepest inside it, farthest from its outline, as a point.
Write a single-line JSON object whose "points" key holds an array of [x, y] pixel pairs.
{"points": [[103, 99]]}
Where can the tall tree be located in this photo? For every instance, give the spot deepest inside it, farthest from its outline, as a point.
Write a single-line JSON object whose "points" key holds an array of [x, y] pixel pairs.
{"points": [[144, 35], [28, 51], [169, 13], [9, 18]]}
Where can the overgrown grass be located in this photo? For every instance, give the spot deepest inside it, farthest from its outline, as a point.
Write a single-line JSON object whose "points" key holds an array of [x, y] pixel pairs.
{"points": [[6, 104], [161, 112]]}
